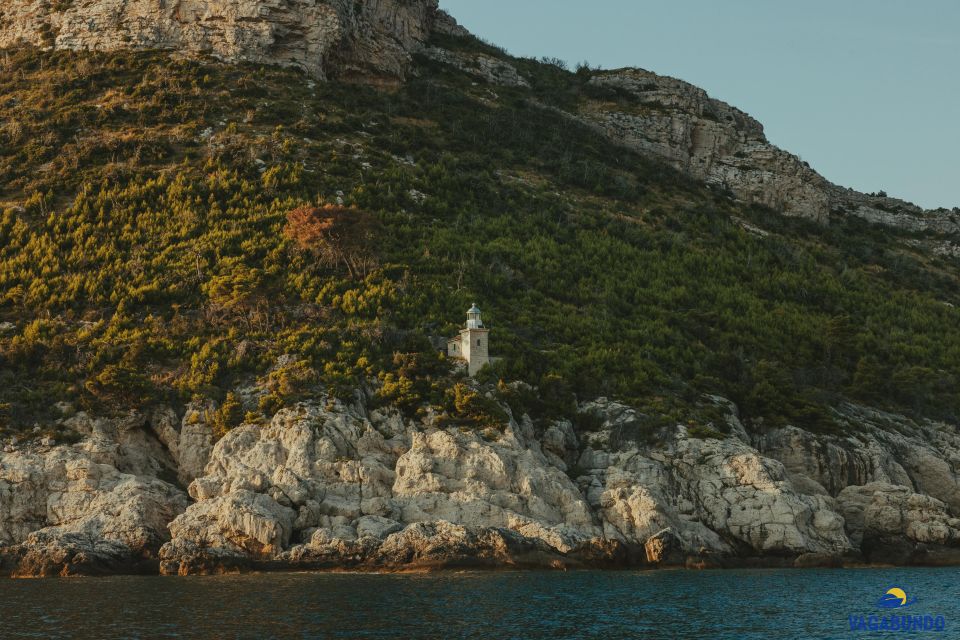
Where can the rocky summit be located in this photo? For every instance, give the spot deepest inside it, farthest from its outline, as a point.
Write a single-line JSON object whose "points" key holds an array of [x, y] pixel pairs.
{"points": [[723, 146], [663, 117], [324, 37], [711, 141]]}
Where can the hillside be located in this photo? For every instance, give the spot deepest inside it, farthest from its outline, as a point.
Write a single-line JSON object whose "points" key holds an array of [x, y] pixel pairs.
{"points": [[152, 260], [144, 253]]}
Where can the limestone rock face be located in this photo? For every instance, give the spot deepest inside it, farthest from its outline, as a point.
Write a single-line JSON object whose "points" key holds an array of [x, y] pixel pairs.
{"points": [[714, 142], [67, 510], [227, 530], [320, 484], [882, 448], [334, 486], [192, 444], [893, 524], [716, 498], [324, 37], [485, 67], [326, 485], [895, 482]]}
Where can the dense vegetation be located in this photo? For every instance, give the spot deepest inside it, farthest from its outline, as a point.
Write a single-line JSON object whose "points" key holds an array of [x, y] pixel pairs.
{"points": [[163, 236]]}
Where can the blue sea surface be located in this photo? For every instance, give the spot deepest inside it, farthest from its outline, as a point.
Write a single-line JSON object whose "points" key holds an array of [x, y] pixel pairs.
{"points": [[740, 605]]}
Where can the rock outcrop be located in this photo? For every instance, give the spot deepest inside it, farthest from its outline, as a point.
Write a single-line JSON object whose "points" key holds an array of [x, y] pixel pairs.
{"points": [[895, 482], [340, 488], [894, 525], [326, 485], [97, 507], [330, 488], [480, 65], [709, 140], [324, 37], [714, 142]]}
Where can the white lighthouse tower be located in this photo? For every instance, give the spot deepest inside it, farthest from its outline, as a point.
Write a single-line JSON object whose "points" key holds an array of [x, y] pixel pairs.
{"points": [[473, 343]]}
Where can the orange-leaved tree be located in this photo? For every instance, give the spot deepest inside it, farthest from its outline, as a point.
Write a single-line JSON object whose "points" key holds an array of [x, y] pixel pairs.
{"points": [[336, 235]]}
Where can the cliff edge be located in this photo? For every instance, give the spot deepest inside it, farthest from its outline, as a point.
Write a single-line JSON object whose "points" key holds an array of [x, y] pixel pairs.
{"points": [[323, 37]]}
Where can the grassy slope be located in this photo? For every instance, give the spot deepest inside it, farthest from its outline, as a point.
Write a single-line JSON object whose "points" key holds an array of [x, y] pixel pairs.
{"points": [[142, 253]]}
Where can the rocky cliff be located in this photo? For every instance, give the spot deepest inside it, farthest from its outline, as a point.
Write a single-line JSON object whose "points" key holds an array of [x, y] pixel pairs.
{"points": [[324, 37], [723, 146], [678, 123], [330, 485], [659, 116]]}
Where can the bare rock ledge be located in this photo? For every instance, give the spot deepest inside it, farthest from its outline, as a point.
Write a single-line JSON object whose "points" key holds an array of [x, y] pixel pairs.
{"points": [[331, 486]]}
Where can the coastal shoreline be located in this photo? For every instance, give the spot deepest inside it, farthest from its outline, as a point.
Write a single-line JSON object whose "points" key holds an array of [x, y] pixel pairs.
{"points": [[460, 565], [329, 486]]}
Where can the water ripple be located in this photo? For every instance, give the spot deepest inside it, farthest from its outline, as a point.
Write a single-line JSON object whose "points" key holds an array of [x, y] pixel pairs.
{"points": [[741, 605]]}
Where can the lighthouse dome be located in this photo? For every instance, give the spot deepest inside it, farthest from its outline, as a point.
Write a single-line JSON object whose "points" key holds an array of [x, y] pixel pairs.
{"points": [[473, 318]]}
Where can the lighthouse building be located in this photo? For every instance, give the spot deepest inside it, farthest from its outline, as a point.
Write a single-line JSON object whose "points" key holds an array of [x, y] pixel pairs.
{"points": [[473, 343]]}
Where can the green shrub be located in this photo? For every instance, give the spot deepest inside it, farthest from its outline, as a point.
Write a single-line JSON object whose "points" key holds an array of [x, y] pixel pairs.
{"points": [[228, 416], [470, 409]]}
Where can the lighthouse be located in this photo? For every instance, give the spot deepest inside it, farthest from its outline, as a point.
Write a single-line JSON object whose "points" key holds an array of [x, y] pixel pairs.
{"points": [[473, 343]]}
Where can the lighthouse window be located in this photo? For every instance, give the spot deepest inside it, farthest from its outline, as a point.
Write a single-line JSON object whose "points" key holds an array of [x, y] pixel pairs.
{"points": [[478, 342]]}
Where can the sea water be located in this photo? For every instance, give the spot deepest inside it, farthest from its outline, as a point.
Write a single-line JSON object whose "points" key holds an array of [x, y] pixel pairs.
{"points": [[739, 605]]}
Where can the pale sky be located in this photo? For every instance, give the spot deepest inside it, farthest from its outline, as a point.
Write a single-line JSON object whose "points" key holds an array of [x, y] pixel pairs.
{"points": [[866, 91]]}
